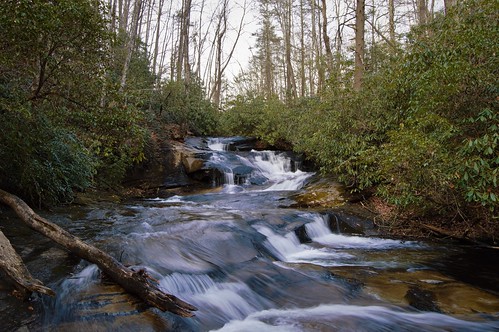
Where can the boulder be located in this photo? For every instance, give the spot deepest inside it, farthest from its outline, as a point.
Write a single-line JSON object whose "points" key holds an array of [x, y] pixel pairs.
{"points": [[192, 164]]}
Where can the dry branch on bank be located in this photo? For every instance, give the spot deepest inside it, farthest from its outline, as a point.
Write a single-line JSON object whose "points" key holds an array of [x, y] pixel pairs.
{"points": [[133, 282]]}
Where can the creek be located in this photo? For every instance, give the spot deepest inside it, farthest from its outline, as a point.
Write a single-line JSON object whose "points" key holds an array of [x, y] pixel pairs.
{"points": [[249, 260]]}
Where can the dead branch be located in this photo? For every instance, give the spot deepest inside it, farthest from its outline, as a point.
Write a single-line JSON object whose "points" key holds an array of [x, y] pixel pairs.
{"points": [[133, 282]]}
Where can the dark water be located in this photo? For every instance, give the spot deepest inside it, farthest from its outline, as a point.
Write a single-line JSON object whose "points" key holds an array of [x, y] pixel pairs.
{"points": [[233, 253]]}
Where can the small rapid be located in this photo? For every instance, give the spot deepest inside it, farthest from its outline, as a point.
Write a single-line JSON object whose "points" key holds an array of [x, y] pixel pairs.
{"points": [[249, 261]]}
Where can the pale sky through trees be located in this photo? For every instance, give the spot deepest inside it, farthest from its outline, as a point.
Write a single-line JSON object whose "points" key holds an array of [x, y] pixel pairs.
{"points": [[224, 50]]}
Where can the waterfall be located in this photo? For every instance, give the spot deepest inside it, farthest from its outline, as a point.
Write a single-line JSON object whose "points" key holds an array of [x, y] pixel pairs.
{"points": [[319, 227], [227, 300], [216, 144], [275, 168], [319, 232], [288, 248]]}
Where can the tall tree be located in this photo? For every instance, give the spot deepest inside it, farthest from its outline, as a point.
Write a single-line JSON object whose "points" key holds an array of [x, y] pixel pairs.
{"points": [[422, 13], [327, 40], [157, 35], [132, 38], [183, 61], [391, 20], [360, 18], [303, 82]]}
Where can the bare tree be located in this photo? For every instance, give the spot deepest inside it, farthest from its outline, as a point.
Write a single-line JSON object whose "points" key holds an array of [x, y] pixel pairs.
{"points": [[131, 41], [360, 19], [303, 83], [183, 64], [327, 41], [157, 35]]}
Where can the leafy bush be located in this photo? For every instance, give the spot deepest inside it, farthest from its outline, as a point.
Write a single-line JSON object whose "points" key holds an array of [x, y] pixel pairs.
{"points": [[186, 105], [423, 132], [41, 162], [480, 169]]}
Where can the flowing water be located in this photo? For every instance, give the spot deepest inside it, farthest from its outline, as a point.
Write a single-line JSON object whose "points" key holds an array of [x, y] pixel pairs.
{"points": [[235, 254]]}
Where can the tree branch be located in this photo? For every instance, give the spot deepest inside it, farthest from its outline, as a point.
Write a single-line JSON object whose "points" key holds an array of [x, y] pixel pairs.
{"points": [[135, 282]]}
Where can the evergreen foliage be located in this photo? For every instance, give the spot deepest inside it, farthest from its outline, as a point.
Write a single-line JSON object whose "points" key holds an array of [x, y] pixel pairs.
{"points": [[423, 131]]}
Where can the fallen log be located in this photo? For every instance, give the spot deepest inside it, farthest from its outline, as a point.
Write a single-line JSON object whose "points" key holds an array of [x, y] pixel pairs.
{"points": [[14, 268], [134, 282]]}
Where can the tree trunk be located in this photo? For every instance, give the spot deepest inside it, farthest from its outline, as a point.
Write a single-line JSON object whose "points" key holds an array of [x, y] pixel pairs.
{"points": [[422, 12], [131, 42], [156, 41], [183, 65], [303, 85], [135, 282], [327, 41], [360, 18], [14, 268]]}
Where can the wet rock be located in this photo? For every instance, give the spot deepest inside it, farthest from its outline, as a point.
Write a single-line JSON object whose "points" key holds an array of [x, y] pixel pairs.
{"points": [[104, 307], [422, 299], [241, 174], [192, 164], [323, 193], [349, 222], [301, 233], [162, 170], [242, 143]]}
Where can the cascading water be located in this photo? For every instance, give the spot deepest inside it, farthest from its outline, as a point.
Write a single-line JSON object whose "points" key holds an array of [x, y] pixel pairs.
{"points": [[238, 257], [275, 167]]}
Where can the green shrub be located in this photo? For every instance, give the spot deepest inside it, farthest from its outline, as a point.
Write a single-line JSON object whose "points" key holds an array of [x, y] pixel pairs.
{"points": [[41, 162]]}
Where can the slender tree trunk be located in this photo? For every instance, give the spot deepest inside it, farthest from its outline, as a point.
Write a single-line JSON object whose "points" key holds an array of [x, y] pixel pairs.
{"points": [[183, 65], [422, 12], [303, 85], [315, 48], [167, 40], [149, 22], [290, 75], [360, 19], [156, 39], [131, 42], [327, 41], [391, 20], [112, 10], [220, 33]]}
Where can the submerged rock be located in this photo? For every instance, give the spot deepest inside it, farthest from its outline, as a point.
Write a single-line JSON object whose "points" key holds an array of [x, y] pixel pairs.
{"points": [[422, 299]]}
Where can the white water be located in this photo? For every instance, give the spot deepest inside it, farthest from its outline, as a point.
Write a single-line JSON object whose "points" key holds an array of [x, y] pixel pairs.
{"points": [[319, 232], [339, 317], [336, 250], [216, 144], [236, 258], [226, 300], [289, 249], [274, 166], [277, 168]]}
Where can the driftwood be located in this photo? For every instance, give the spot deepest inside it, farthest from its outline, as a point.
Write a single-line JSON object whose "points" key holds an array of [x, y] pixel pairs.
{"points": [[13, 266], [135, 282]]}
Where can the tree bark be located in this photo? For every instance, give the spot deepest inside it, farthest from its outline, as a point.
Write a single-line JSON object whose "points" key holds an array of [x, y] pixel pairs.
{"points": [[391, 20], [327, 41], [137, 283], [360, 19], [14, 268]]}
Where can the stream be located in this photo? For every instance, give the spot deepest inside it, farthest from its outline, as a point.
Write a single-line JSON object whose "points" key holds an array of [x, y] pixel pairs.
{"points": [[250, 261]]}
